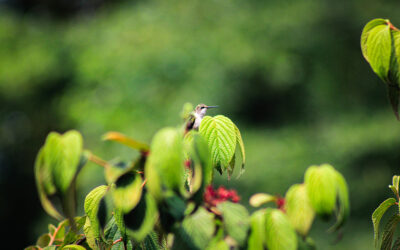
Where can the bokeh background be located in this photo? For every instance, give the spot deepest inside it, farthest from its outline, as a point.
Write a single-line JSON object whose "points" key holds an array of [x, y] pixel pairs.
{"points": [[289, 73]]}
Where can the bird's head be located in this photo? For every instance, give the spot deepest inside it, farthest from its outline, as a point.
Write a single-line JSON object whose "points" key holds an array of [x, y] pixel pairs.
{"points": [[201, 109]]}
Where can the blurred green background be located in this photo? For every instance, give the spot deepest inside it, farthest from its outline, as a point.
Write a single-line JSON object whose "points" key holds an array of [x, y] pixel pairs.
{"points": [[289, 73]]}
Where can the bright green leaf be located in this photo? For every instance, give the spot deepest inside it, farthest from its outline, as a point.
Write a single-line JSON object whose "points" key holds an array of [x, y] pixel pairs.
{"points": [[298, 208], [279, 233], [92, 207], [63, 155], [379, 50], [257, 231], [366, 31], [321, 187], [73, 247], [127, 191], [220, 134], [236, 220], [164, 168], [377, 216]]}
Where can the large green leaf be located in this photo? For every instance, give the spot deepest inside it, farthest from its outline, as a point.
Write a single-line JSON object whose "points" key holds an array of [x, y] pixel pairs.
{"points": [[298, 208], [279, 233], [394, 73], [257, 231], [127, 191], [321, 187], [236, 220], [221, 137], [196, 231], [366, 31], [388, 232], [92, 208], [377, 216], [164, 168], [379, 50]]}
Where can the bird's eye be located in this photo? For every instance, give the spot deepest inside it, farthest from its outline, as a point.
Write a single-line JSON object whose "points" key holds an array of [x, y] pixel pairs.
{"points": [[203, 107]]}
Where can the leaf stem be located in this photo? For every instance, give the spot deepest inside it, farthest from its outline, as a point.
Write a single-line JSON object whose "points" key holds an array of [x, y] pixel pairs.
{"points": [[115, 242], [53, 237], [97, 160], [391, 26]]}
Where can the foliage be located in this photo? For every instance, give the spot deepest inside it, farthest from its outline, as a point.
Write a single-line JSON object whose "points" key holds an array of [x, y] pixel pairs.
{"points": [[380, 44], [156, 202]]}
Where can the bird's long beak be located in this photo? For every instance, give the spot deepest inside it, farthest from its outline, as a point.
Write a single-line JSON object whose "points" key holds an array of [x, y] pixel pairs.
{"points": [[210, 107]]}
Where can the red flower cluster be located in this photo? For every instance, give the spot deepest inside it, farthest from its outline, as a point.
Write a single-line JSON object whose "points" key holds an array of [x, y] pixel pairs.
{"points": [[214, 196]]}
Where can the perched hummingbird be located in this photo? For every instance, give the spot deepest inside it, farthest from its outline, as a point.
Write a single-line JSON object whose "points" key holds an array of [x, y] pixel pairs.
{"points": [[196, 117]]}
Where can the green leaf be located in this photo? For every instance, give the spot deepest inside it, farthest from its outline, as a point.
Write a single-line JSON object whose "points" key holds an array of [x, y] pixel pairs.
{"points": [[236, 220], [321, 187], [63, 155], [71, 235], [112, 233], [279, 233], [242, 150], [164, 168], [43, 240], [395, 185], [221, 137], [379, 50], [196, 231], [259, 199], [394, 74], [377, 216], [388, 232], [45, 186], [298, 208], [200, 156], [123, 139], [127, 191], [140, 221], [343, 209], [151, 242], [73, 247], [257, 231], [92, 208], [366, 31]]}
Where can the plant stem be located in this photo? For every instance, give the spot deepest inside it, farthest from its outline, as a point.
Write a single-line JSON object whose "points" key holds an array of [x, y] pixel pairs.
{"points": [[97, 160]]}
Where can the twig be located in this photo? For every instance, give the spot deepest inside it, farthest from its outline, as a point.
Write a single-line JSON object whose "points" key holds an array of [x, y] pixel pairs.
{"points": [[95, 159]]}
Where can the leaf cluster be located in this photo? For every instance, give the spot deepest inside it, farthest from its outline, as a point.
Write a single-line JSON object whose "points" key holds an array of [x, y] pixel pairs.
{"points": [[156, 201]]}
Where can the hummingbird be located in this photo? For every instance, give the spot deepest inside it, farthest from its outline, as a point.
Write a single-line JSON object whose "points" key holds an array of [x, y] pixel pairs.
{"points": [[196, 117]]}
